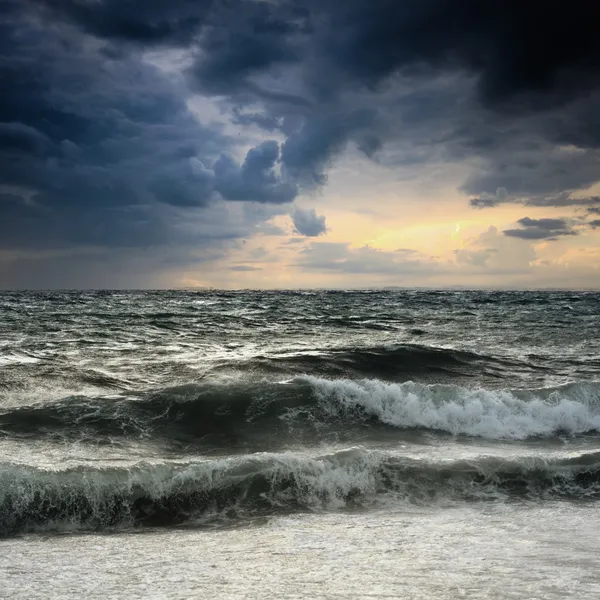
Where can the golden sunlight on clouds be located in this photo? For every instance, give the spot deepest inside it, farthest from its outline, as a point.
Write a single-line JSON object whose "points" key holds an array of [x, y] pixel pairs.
{"points": [[417, 236], [470, 252]]}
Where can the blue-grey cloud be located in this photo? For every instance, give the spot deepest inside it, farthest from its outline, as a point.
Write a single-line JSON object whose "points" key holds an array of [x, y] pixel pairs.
{"points": [[244, 38], [308, 223], [96, 150], [256, 178], [541, 229], [244, 268], [304, 61], [548, 224], [307, 151], [563, 200], [98, 147], [169, 22], [524, 102], [531, 47], [320, 71]]}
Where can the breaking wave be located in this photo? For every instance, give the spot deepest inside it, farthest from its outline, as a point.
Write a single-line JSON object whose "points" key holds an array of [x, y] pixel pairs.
{"points": [[498, 414], [196, 493], [223, 413]]}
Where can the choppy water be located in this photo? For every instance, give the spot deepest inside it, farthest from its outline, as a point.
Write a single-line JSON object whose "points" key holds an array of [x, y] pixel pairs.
{"points": [[231, 414]]}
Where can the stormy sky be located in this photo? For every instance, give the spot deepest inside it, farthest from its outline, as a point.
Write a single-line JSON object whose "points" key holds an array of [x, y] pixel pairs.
{"points": [[274, 143]]}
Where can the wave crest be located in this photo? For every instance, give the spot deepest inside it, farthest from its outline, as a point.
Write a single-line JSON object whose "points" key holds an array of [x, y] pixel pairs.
{"points": [[500, 414], [169, 494], [308, 407]]}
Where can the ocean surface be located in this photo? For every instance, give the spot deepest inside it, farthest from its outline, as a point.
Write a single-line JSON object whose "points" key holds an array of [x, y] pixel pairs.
{"points": [[347, 444]]}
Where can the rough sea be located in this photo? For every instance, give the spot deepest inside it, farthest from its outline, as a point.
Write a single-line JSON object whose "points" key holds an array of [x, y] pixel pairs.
{"points": [[328, 444]]}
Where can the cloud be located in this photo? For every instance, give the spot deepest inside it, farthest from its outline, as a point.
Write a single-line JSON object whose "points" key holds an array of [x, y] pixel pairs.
{"points": [[243, 38], [594, 224], [324, 76], [395, 80], [308, 223], [256, 179], [535, 233], [541, 229], [99, 148], [336, 257], [547, 224], [513, 47], [307, 152], [562, 200], [87, 141], [490, 254], [103, 150], [244, 268], [494, 254], [173, 22]]}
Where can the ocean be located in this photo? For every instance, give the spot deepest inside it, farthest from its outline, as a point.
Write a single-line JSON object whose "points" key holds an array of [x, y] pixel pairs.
{"points": [[296, 444]]}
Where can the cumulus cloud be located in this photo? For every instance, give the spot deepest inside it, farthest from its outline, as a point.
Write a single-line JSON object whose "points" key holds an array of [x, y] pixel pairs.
{"points": [[494, 254], [99, 149], [256, 179], [307, 222]]}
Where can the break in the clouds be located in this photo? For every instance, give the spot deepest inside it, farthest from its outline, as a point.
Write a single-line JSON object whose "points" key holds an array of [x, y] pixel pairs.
{"points": [[101, 147]]}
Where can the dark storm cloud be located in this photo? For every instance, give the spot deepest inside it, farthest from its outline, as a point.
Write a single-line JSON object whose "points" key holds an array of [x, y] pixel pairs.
{"points": [[308, 223], [244, 38], [516, 47], [99, 147], [546, 48], [173, 22], [534, 65], [256, 179], [95, 150], [541, 229], [320, 71]]}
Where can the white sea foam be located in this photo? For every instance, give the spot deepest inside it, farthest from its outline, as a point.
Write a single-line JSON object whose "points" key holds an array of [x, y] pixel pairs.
{"points": [[500, 414], [16, 358], [33, 499]]}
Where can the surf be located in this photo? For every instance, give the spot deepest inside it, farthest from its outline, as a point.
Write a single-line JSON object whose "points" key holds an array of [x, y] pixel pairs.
{"points": [[197, 493], [227, 412]]}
